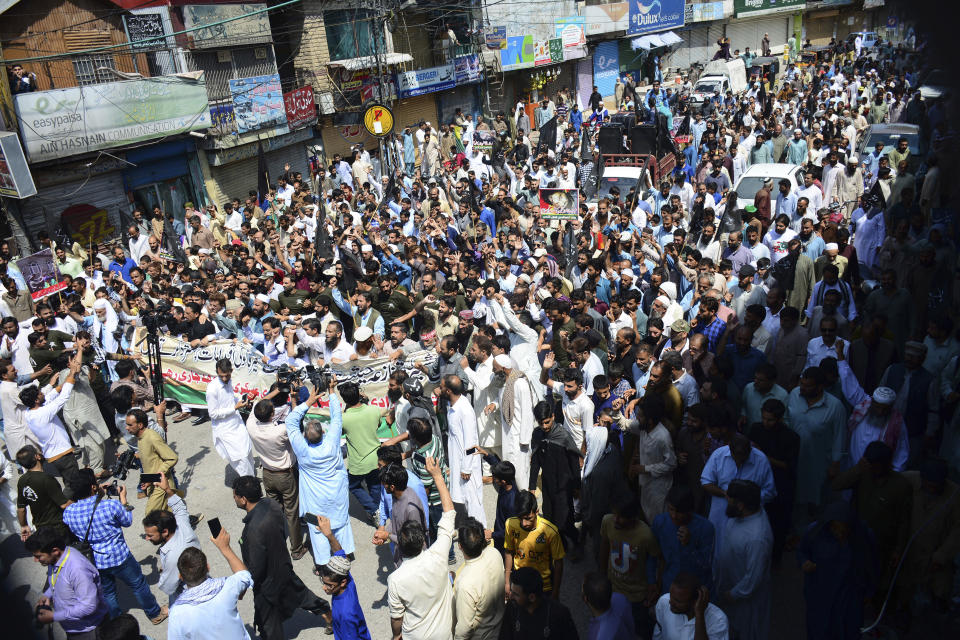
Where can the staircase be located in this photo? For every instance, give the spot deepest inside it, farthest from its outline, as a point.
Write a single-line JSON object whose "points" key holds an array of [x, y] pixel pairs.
{"points": [[494, 74]]}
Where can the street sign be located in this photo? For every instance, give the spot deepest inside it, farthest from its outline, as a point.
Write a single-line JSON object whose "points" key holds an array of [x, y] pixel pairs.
{"points": [[378, 120]]}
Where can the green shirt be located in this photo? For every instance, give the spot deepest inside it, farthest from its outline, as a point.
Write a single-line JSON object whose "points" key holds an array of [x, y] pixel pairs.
{"points": [[360, 429]]}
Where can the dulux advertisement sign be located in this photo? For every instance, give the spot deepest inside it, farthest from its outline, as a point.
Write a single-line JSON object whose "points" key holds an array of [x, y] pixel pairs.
{"points": [[650, 16]]}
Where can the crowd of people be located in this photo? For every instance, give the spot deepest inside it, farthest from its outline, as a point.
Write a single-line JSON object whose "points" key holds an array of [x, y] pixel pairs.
{"points": [[685, 388]]}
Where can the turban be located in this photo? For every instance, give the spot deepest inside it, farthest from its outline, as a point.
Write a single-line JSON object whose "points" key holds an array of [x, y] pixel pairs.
{"points": [[884, 395]]}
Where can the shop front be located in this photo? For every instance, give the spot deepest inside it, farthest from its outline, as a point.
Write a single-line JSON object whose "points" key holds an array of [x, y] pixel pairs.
{"points": [[165, 175], [755, 18]]}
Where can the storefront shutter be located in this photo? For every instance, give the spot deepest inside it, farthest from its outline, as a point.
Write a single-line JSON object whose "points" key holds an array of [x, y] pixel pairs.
{"points": [[410, 111], [42, 212], [748, 33]]}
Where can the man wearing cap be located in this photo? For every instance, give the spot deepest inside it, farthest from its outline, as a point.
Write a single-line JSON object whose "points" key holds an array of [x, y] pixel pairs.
{"points": [[831, 282], [919, 393], [873, 417], [515, 408], [745, 292], [848, 187], [796, 149]]}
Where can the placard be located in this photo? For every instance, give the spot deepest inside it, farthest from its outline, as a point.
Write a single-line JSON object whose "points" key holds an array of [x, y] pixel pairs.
{"points": [[556, 50], [559, 204], [87, 224], [468, 69], [41, 274], [483, 141]]}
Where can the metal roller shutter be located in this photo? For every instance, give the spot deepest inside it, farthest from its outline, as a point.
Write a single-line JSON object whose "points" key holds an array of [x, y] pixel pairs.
{"points": [[409, 111], [819, 28], [42, 211], [748, 33], [236, 179], [696, 47], [466, 98]]}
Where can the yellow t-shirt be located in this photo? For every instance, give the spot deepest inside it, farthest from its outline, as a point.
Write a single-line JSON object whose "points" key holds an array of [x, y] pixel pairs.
{"points": [[538, 548]]}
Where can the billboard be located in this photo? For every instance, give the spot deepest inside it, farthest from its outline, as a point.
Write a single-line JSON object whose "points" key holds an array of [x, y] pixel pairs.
{"points": [[559, 204], [421, 81], [650, 16], [606, 18], [762, 7], [468, 69], [258, 103], [251, 30], [518, 53], [66, 122], [496, 38], [41, 274]]}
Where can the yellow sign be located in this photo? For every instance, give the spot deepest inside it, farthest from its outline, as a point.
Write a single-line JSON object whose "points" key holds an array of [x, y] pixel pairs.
{"points": [[378, 120]]}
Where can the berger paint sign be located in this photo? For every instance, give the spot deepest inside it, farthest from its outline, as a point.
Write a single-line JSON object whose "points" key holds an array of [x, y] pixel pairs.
{"points": [[762, 7], [650, 16], [66, 122], [421, 81]]}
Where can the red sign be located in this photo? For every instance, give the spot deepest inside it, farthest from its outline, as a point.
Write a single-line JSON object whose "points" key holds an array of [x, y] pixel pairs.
{"points": [[87, 223], [301, 110]]}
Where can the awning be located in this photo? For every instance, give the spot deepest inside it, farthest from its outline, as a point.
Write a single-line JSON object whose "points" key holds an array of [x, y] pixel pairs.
{"points": [[655, 40], [369, 62]]}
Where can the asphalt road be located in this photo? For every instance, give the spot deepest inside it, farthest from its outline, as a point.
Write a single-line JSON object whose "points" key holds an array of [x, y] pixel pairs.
{"points": [[207, 480]]}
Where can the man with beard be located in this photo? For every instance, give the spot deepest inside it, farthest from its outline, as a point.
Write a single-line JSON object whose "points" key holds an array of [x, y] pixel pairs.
{"points": [[393, 304], [743, 562], [829, 308], [465, 331], [466, 483], [364, 315], [444, 320], [708, 323], [847, 187], [515, 405], [336, 349], [688, 601], [295, 301], [794, 273], [400, 343], [277, 590], [831, 282], [484, 393], [171, 531]]}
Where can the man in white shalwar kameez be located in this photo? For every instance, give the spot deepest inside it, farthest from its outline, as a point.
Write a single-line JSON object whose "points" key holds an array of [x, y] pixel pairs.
{"points": [[523, 342], [742, 572], [230, 437], [466, 484], [515, 408], [485, 392], [15, 431]]}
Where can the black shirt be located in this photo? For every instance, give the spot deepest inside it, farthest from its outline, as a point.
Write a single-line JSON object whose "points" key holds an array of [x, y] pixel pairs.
{"points": [[198, 331], [42, 493]]}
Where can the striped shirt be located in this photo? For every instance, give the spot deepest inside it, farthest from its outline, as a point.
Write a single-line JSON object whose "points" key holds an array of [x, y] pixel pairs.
{"points": [[433, 449]]}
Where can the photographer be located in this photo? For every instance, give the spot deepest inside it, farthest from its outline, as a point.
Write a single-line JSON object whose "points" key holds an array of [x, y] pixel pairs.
{"points": [[100, 522], [73, 597]]}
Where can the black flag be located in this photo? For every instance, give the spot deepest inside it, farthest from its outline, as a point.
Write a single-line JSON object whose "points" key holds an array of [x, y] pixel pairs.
{"points": [[548, 136], [263, 175]]}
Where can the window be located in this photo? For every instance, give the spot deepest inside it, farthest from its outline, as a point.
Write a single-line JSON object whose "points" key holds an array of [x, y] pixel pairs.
{"points": [[93, 69], [350, 33]]}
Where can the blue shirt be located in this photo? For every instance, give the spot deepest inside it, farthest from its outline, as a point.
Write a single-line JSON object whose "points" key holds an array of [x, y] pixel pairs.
{"points": [[106, 528], [695, 557], [712, 331], [616, 623], [123, 269], [744, 365], [348, 622]]}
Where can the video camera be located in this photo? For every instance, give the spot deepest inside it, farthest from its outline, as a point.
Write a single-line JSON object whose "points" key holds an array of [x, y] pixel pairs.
{"points": [[125, 461], [287, 377], [158, 317]]}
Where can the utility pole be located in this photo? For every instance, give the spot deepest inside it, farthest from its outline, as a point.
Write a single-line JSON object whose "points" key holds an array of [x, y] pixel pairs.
{"points": [[383, 88]]}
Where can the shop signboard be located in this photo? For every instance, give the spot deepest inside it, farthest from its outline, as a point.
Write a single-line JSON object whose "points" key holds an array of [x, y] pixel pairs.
{"points": [[211, 30], [518, 54], [572, 31], [762, 7], [144, 31], [705, 12], [496, 38], [16, 181], [651, 16], [222, 119], [541, 52], [556, 50], [300, 107], [468, 69], [421, 81], [65, 122], [258, 102]]}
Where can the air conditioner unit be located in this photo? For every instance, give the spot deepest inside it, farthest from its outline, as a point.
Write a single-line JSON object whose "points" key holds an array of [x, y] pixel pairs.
{"points": [[223, 56], [260, 53]]}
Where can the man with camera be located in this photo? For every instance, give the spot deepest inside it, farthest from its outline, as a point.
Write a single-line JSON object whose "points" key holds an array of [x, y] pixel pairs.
{"points": [[74, 596], [99, 523]]}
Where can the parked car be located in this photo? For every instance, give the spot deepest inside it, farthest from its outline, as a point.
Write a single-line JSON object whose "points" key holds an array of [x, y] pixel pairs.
{"points": [[890, 134], [869, 38], [752, 180]]}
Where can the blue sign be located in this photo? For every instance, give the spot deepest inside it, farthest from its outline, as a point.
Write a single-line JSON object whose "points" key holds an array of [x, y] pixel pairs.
{"points": [[655, 15], [258, 103], [606, 67], [421, 81]]}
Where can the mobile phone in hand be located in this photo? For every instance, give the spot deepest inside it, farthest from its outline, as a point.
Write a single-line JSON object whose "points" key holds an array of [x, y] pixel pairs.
{"points": [[309, 518], [149, 478], [215, 528], [419, 458], [471, 451]]}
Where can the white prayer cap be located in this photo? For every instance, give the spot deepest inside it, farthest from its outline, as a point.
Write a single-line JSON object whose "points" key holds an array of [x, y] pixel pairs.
{"points": [[664, 300], [669, 289], [504, 361], [884, 395], [627, 272], [366, 247], [625, 236], [831, 246], [523, 278], [363, 334], [299, 225], [539, 253], [263, 298], [205, 251], [101, 303]]}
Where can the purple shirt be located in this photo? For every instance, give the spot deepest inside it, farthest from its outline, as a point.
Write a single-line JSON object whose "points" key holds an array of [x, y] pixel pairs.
{"points": [[75, 591]]}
